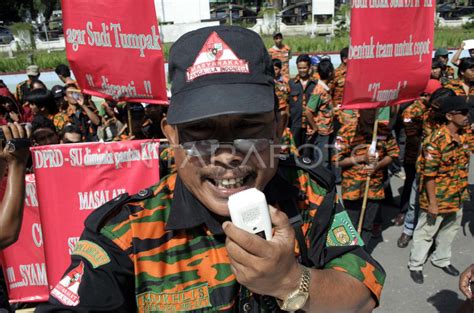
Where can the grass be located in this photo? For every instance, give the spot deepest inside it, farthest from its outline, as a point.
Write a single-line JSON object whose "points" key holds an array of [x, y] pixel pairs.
{"points": [[444, 37]]}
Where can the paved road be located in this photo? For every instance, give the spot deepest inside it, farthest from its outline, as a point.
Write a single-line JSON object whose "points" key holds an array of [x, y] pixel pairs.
{"points": [[440, 291]]}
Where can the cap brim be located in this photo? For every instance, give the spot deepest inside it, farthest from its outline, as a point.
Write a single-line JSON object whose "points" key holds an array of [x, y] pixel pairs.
{"points": [[220, 99]]}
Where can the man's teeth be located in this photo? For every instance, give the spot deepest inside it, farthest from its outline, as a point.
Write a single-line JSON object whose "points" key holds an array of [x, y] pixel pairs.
{"points": [[230, 183]]}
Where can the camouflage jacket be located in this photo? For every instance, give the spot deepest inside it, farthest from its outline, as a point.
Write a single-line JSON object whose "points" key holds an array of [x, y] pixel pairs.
{"points": [[337, 86], [284, 55], [320, 104], [354, 178], [447, 161], [282, 93], [162, 251], [413, 122], [458, 87]]}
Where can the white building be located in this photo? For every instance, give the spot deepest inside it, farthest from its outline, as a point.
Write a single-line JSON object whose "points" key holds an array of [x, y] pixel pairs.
{"points": [[177, 17]]}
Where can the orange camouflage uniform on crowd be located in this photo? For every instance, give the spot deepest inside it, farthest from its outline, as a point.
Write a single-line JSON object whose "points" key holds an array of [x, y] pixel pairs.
{"points": [[460, 88], [446, 160], [284, 55], [320, 104], [413, 117], [349, 143], [282, 93], [337, 85], [60, 120]]}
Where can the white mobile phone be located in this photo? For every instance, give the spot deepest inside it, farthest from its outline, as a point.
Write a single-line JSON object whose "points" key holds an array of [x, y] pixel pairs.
{"points": [[249, 211]]}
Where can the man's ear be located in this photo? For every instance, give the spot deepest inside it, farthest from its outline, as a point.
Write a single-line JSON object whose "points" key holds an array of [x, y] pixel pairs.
{"points": [[282, 121], [448, 116], [170, 131]]}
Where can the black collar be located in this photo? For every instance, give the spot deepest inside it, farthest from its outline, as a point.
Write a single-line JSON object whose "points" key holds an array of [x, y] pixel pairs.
{"points": [[188, 212]]}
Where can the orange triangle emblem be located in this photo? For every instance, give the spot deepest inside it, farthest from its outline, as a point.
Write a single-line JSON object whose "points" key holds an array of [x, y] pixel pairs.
{"points": [[216, 57]]}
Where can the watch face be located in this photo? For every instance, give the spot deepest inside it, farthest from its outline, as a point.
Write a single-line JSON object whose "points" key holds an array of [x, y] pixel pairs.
{"points": [[297, 302]]}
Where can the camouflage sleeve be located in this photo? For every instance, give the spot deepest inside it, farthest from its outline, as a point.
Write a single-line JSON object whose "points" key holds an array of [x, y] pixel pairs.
{"points": [[99, 279], [360, 265], [325, 116], [392, 148], [342, 145], [343, 249], [432, 156], [314, 102]]}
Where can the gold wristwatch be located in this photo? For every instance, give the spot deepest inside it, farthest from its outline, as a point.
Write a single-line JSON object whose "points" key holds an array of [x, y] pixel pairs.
{"points": [[297, 299]]}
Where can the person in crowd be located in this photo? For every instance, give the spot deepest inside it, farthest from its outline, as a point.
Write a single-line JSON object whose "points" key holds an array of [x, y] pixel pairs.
{"points": [[437, 68], [215, 265], [429, 124], [442, 55], [80, 112], [314, 67], [10, 111], [11, 206], [5, 92], [412, 118], [457, 55], [41, 102], [64, 74], [25, 87], [43, 131], [282, 52], [71, 134], [464, 85], [320, 113], [300, 90], [359, 158], [281, 86], [443, 185], [61, 118], [109, 129], [154, 114]]}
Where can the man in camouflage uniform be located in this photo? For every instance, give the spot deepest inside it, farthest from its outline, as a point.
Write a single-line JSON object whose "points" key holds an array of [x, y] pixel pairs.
{"points": [[24, 88], [442, 55], [172, 247], [412, 118], [281, 52], [352, 155], [443, 186], [464, 85], [320, 113], [301, 88]]}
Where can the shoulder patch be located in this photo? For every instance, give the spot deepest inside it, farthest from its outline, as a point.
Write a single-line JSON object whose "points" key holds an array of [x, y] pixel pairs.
{"points": [[92, 252], [67, 290], [342, 232]]}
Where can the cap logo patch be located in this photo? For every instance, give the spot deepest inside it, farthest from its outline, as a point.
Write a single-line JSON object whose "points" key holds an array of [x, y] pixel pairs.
{"points": [[216, 57]]}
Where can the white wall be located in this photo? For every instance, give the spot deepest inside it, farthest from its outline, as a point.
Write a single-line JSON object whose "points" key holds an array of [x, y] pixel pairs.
{"points": [[182, 11]]}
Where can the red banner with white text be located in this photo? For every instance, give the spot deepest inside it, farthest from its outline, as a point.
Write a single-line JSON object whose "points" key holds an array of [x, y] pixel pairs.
{"points": [[391, 43], [114, 49], [72, 180], [24, 262]]}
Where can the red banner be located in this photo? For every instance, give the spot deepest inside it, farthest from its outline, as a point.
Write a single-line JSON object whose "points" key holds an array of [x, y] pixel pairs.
{"points": [[23, 262], [114, 49], [72, 180], [389, 53]]}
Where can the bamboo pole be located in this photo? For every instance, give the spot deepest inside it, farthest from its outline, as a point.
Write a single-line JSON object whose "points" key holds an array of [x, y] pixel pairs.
{"points": [[367, 183]]}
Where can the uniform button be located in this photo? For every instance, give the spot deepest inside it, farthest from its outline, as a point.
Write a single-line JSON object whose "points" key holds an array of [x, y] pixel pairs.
{"points": [[143, 193], [306, 160], [247, 307]]}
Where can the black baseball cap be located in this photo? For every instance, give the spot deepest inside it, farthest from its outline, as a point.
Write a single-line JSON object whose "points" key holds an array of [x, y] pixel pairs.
{"points": [[57, 91], [453, 103], [219, 70]]}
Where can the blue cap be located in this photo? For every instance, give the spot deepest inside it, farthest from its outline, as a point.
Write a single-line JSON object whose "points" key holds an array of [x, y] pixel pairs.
{"points": [[315, 60]]}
